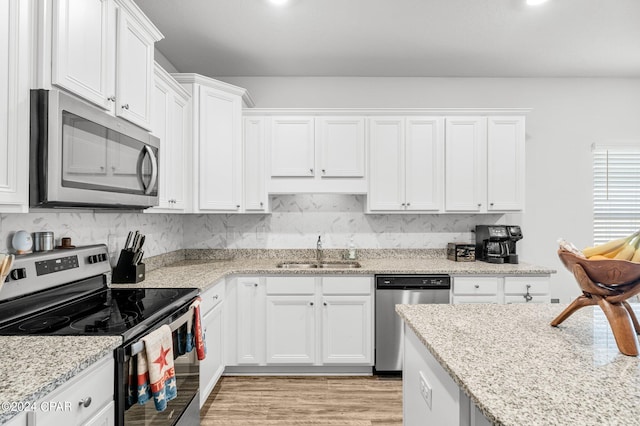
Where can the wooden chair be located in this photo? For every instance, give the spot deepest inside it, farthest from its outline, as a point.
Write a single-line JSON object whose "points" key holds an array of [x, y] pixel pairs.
{"points": [[607, 283]]}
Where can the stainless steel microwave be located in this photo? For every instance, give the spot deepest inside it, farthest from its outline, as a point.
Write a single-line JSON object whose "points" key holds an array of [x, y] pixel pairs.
{"points": [[83, 157]]}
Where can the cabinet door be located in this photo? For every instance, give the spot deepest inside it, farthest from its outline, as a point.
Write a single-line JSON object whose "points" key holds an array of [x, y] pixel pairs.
{"points": [[292, 147], [212, 367], [134, 71], [346, 330], [14, 105], [505, 163], [104, 417], [82, 58], [250, 322], [424, 159], [465, 154], [255, 191], [290, 333], [219, 151], [180, 114], [386, 164], [341, 143], [160, 127]]}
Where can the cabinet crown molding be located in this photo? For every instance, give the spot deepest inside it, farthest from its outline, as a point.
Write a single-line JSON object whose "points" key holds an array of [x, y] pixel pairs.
{"points": [[141, 18], [162, 74], [387, 111], [192, 78]]}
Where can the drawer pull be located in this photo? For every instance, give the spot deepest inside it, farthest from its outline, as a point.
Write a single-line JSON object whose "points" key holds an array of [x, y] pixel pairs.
{"points": [[85, 402], [527, 296]]}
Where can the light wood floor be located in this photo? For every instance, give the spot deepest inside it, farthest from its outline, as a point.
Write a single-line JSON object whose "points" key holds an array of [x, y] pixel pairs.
{"points": [[317, 401]]}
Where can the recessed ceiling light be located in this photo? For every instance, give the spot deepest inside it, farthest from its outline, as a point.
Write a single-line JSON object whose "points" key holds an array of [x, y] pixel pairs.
{"points": [[535, 2], [279, 2]]}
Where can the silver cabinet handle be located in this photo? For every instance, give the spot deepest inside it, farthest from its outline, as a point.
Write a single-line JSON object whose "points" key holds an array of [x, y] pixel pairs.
{"points": [[324, 171], [491, 204], [215, 297], [403, 204], [527, 296], [125, 106], [479, 204], [408, 204], [477, 286], [112, 98], [255, 284], [261, 204], [310, 303], [324, 303], [237, 206], [311, 170], [85, 402]]}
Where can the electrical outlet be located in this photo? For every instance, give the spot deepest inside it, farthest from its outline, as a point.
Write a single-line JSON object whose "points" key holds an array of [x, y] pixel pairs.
{"points": [[555, 300], [425, 389]]}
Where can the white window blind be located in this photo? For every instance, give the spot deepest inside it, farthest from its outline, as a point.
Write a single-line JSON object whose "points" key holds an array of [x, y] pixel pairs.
{"points": [[616, 190]]}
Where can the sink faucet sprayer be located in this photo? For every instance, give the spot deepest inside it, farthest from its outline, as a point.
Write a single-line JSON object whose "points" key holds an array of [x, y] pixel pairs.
{"points": [[319, 250]]}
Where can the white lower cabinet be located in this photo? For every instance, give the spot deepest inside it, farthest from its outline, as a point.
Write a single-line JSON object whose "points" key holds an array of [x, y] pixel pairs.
{"points": [[213, 327], [303, 320], [500, 289], [291, 329], [86, 399]]}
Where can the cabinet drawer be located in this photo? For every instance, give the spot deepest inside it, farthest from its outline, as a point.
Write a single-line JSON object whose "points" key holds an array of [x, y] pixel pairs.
{"points": [[347, 285], [95, 382], [518, 285], [475, 285], [291, 285], [211, 297]]}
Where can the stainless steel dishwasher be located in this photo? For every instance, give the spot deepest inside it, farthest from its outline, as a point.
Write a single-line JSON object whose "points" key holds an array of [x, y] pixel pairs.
{"points": [[392, 290]]}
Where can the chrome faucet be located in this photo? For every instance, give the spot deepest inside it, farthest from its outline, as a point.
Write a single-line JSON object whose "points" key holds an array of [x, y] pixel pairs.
{"points": [[319, 254]]}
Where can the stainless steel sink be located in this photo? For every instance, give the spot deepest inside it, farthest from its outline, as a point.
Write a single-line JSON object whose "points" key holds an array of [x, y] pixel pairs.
{"points": [[311, 265]]}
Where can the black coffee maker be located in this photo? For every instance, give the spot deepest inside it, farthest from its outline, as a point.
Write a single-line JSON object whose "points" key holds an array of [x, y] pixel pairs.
{"points": [[497, 243]]}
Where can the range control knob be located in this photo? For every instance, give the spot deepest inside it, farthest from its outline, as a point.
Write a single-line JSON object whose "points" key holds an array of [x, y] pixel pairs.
{"points": [[18, 274], [93, 259], [102, 257]]}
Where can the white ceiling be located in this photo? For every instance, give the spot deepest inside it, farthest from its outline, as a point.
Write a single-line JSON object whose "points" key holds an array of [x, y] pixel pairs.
{"points": [[398, 38]]}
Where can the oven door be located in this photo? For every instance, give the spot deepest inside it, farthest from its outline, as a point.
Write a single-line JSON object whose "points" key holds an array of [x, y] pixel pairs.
{"points": [[84, 157], [182, 410]]}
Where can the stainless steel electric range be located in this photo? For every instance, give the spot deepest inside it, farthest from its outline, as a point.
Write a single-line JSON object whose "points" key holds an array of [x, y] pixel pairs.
{"points": [[68, 292]]}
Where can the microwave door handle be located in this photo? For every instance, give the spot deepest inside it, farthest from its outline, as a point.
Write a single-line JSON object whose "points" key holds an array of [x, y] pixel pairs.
{"points": [[154, 169]]}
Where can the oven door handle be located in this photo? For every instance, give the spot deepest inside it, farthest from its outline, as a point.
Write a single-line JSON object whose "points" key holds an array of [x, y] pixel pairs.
{"points": [[138, 346], [147, 189]]}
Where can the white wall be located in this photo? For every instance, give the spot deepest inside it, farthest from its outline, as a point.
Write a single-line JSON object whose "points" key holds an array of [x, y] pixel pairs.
{"points": [[568, 116]]}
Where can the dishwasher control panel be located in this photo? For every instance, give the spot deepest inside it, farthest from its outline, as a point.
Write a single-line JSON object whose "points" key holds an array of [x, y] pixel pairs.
{"points": [[413, 281]]}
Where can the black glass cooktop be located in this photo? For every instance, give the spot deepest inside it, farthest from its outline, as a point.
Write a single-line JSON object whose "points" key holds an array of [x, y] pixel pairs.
{"points": [[107, 312]]}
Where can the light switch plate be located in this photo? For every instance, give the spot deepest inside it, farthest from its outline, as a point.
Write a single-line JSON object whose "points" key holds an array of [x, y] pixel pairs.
{"points": [[425, 389]]}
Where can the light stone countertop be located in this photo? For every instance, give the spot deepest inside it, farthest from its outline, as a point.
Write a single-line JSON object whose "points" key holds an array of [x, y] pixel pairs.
{"points": [[33, 366], [519, 370], [204, 273]]}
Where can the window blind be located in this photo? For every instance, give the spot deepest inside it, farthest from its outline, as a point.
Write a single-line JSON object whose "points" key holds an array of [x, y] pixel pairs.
{"points": [[616, 191]]}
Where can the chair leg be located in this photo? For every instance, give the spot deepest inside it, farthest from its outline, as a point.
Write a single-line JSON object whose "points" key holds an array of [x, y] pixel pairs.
{"points": [[578, 303], [621, 325]]}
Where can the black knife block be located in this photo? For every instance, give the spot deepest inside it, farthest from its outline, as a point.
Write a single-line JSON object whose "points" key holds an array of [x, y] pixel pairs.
{"points": [[125, 271]]}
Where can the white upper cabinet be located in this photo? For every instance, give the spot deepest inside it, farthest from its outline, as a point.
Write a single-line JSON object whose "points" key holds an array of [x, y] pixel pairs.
{"points": [[170, 122], [292, 147], [405, 163], [386, 164], [315, 154], [255, 190], [505, 163], [14, 106], [101, 50], [341, 145], [83, 54], [217, 155], [484, 164], [466, 164]]}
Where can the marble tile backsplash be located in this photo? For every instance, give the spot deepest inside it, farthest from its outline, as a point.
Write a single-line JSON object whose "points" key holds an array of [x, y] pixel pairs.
{"points": [[164, 232], [297, 220]]}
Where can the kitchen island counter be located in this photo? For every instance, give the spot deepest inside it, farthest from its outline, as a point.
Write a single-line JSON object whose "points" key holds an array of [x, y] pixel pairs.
{"points": [[33, 366], [518, 370]]}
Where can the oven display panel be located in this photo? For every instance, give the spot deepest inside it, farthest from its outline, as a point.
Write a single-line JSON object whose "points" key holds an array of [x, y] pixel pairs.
{"points": [[44, 267]]}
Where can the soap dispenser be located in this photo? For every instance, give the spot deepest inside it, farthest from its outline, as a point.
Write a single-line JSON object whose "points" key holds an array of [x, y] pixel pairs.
{"points": [[351, 253]]}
